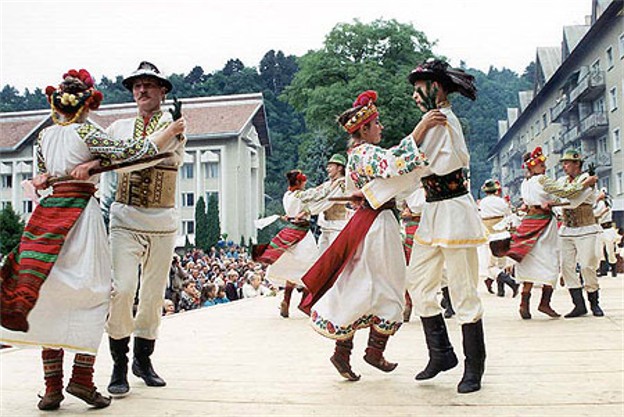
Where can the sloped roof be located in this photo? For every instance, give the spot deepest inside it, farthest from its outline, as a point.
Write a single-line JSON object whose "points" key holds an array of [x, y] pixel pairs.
{"points": [[525, 98], [572, 35], [549, 59], [206, 117]]}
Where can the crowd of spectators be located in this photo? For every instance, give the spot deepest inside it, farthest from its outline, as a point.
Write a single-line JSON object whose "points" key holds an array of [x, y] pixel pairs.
{"points": [[224, 274]]}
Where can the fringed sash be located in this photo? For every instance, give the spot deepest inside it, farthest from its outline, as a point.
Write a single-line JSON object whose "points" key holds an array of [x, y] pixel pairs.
{"points": [[324, 273], [29, 264], [527, 234], [288, 237]]}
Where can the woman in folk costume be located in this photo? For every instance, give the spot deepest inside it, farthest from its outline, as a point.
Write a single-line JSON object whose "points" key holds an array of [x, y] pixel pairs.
{"points": [[293, 250], [56, 284], [535, 244], [359, 281]]}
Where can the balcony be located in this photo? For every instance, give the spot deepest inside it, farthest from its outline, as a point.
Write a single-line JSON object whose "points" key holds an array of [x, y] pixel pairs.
{"points": [[602, 161], [595, 124], [559, 108], [557, 146], [571, 135], [589, 87]]}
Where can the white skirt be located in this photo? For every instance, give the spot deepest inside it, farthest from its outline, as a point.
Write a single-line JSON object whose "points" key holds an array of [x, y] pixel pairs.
{"points": [[294, 263], [541, 264], [370, 291], [73, 301]]}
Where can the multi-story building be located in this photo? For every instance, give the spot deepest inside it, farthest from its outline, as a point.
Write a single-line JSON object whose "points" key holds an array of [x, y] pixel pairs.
{"points": [[228, 142], [577, 102]]}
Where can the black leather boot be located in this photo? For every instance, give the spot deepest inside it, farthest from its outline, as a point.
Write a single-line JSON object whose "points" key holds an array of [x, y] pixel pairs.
{"points": [[441, 354], [593, 304], [142, 364], [119, 349], [613, 270], [579, 303], [509, 281], [446, 303], [474, 351]]}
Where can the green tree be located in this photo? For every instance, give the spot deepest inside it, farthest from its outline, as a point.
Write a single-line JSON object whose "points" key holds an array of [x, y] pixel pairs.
{"points": [[214, 224], [11, 228], [201, 225], [357, 57]]}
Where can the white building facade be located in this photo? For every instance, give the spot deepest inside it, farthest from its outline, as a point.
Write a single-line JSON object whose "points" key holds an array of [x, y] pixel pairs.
{"points": [[228, 142], [577, 102]]}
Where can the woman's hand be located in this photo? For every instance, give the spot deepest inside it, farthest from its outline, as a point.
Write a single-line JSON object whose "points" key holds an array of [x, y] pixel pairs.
{"points": [[81, 172], [40, 182]]}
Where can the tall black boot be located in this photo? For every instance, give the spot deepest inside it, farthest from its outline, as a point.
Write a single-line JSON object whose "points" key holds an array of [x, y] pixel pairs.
{"points": [[603, 268], [119, 349], [441, 354], [613, 270], [506, 279], [142, 364], [593, 304], [446, 303], [474, 351], [579, 303]]}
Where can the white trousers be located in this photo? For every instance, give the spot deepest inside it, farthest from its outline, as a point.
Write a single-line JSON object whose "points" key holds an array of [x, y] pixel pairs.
{"points": [[581, 250], [425, 277], [153, 253]]}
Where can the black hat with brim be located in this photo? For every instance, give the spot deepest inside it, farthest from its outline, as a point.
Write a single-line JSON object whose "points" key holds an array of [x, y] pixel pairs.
{"points": [[147, 69], [452, 80]]}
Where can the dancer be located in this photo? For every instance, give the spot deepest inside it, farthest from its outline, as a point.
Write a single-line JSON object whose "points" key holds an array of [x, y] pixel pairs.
{"points": [[61, 297], [608, 240], [143, 227], [359, 281], [450, 230]]}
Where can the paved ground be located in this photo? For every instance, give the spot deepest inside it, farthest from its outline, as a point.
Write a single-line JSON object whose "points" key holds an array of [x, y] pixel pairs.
{"points": [[243, 359]]}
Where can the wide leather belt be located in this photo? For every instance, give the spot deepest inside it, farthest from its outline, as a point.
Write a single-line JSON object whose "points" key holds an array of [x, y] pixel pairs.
{"points": [[153, 187], [336, 212], [581, 216], [444, 187]]}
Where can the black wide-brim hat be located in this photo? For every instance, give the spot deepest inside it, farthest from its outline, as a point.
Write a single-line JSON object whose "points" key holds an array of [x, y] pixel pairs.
{"points": [[147, 69], [453, 80]]}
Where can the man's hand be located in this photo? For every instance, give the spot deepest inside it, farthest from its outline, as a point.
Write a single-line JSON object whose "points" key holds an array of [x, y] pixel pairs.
{"points": [[590, 181], [81, 172]]}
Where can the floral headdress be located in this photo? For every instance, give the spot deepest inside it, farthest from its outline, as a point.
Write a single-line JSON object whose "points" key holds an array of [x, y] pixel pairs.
{"points": [[530, 160], [72, 96], [365, 114]]}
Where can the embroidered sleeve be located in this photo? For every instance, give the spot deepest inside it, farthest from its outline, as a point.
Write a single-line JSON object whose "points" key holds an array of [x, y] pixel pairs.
{"points": [[561, 188], [313, 194], [367, 162], [41, 167], [111, 150]]}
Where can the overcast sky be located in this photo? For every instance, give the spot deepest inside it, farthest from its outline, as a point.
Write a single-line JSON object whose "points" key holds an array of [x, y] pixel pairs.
{"points": [[42, 39]]}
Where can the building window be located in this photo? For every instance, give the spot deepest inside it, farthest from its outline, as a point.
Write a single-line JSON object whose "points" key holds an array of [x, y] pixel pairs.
{"points": [[599, 105], [4, 204], [27, 206], [546, 147], [613, 98], [544, 121], [609, 58], [537, 127], [188, 227], [603, 182], [187, 171], [188, 199], [617, 140], [595, 66], [7, 181], [602, 145], [209, 193], [622, 46], [211, 170], [619, 182]]}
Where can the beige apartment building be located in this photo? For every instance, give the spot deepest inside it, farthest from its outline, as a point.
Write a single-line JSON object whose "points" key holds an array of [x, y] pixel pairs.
{"points": [[228, 142], [577, 102]]}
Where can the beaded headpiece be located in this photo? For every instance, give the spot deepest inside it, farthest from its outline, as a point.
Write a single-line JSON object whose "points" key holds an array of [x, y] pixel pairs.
{"points": [[365, 114]]}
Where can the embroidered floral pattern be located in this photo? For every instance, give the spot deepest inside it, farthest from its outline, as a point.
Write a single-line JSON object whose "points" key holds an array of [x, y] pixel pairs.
{"points": [[335, 331], [368, 161], [111, 150]]}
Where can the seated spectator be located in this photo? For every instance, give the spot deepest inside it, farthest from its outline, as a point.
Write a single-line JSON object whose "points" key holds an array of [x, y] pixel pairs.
{"points": [[231, 287], [189, 299], [254, 288], [168, 307], [221, 297], [208, 295]]}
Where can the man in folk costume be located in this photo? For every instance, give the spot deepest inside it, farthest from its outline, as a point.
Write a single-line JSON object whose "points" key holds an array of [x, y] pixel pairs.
{"points": [[608, 240], [494, 209], [535, 244], [143, 227], [410, 216], [359, 281], [579, 233], [450, 230], [56, 283], [332, 216]]}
